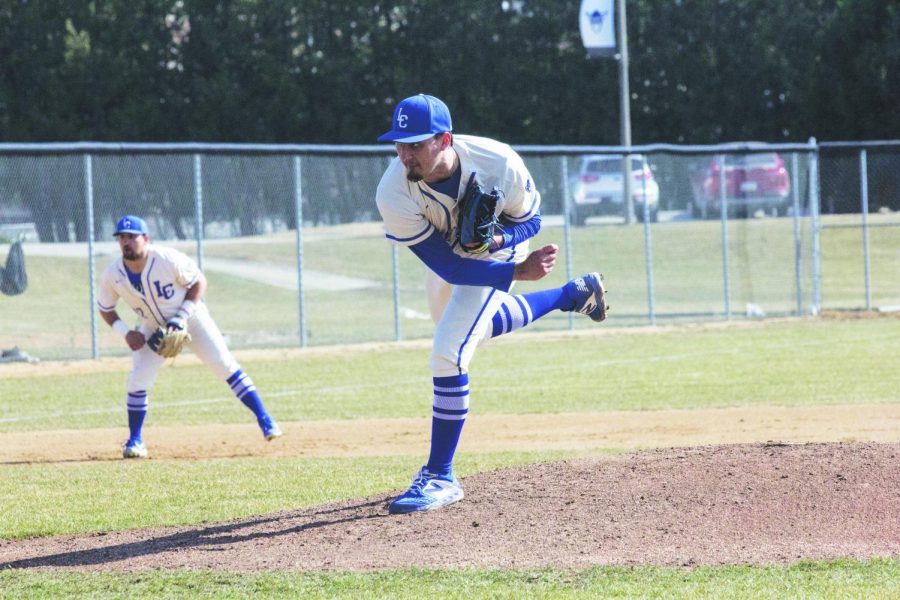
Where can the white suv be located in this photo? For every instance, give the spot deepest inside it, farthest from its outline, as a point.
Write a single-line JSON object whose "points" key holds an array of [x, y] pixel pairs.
{"points": [[598, 188]]}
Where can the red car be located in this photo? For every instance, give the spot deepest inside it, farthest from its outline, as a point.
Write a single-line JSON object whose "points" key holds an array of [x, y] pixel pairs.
{"points": [[753, 181]]}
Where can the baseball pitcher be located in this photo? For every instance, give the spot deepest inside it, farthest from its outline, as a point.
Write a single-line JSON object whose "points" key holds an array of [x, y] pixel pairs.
{"points": [[467, 207], [165, 289]]}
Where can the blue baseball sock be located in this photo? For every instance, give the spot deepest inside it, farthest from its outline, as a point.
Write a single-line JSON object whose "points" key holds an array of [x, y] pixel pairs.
{"points": [[451, 405], [518, 311], [245, 390], [137, 411], [135, 424]]}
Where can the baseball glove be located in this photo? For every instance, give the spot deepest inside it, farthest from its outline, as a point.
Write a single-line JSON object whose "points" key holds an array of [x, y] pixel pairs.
{"points": [[476, 217], [168, 343]]}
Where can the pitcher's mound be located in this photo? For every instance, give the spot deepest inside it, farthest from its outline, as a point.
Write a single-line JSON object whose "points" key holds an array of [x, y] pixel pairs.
{"points": [[738, 504]]}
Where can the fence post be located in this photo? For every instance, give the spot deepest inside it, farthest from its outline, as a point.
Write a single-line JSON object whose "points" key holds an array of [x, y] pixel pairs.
{"points": [[567, 227], [864, 195], [298, 211], [814, 207], [798, 250], [723, 206], [648, 244], [198, 208], [89, 204]]}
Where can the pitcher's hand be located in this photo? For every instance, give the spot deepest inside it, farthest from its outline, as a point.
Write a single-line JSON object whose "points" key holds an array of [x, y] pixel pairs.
{"points": [[537, 265]]}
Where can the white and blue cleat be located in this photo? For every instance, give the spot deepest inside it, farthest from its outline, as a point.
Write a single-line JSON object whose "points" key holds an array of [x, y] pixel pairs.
{"points": [[427, 492], [270, 428], [134, 449], [590, 296]]}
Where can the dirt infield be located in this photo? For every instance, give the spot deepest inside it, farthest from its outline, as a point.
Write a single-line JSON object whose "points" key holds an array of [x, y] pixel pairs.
{"points": [[483, 433], [736, 504], [717, 494]]}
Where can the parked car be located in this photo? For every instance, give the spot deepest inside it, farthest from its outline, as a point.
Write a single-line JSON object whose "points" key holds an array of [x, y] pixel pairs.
{"points": [[598, 188], [753, 181]]}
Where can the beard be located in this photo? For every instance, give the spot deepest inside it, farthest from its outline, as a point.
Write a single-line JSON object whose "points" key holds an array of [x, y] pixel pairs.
{"points": [[414, 173], [129, 254]]}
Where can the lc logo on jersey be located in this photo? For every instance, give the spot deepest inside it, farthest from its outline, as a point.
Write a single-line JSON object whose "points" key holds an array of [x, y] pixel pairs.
{"points": [[166, 291]]}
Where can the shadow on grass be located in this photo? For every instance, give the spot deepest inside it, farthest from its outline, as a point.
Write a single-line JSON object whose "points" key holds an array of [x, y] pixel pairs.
{"points": [[208, 538]]}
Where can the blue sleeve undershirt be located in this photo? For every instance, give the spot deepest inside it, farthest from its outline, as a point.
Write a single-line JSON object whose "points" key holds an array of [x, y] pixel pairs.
{"points": [[456, 270], [516, 233]]}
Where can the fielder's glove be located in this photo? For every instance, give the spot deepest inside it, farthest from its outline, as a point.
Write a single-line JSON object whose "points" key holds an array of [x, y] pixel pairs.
{"points": [[476, 217], [168, 343]]}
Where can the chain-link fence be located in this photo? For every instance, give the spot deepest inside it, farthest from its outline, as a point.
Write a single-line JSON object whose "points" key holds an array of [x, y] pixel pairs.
{"points": [[860, 239], [710, 233]]}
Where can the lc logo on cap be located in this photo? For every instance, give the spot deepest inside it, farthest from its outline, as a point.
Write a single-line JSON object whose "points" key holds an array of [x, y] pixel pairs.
{"points": [[131, 224], [418, 118], [401, 118]]}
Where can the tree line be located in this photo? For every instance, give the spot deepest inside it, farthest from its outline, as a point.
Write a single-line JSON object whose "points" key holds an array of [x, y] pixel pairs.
{"points": [[320, 71]]}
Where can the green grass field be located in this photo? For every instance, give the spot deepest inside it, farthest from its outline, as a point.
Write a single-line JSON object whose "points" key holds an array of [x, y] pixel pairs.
{"points": [[776, 363], [53, 316], [841, 579], [808, 361]]}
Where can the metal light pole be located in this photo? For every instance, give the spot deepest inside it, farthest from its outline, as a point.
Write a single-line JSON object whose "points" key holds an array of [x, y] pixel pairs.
{"points": [[604, 31], [625, 111]]}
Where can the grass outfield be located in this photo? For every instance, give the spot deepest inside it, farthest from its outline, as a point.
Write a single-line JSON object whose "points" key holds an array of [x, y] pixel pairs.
{"points": [[784, 363], [775, 363], [53, 315]]}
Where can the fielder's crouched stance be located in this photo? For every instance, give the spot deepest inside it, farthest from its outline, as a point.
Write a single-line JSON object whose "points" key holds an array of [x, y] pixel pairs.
{"points": [[433, 199], [165, 288]]}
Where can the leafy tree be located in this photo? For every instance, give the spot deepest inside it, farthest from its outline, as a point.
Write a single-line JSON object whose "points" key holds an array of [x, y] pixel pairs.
{"points": [[319, 71]]}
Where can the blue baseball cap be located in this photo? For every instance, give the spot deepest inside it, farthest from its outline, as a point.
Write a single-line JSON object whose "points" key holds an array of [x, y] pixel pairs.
{"points": [[131, 224], [418, 118]]}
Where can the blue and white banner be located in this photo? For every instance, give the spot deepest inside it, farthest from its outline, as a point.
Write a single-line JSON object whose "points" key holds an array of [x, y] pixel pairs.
{"points": [[597, 21]]}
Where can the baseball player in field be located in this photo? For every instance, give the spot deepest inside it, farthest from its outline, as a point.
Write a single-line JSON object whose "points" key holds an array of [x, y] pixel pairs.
{"points": [[165, 289], [421, 200]]}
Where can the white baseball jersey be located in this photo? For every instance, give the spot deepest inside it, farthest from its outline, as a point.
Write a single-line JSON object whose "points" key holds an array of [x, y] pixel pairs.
{"points": [[411, 211], [164, 282]]}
